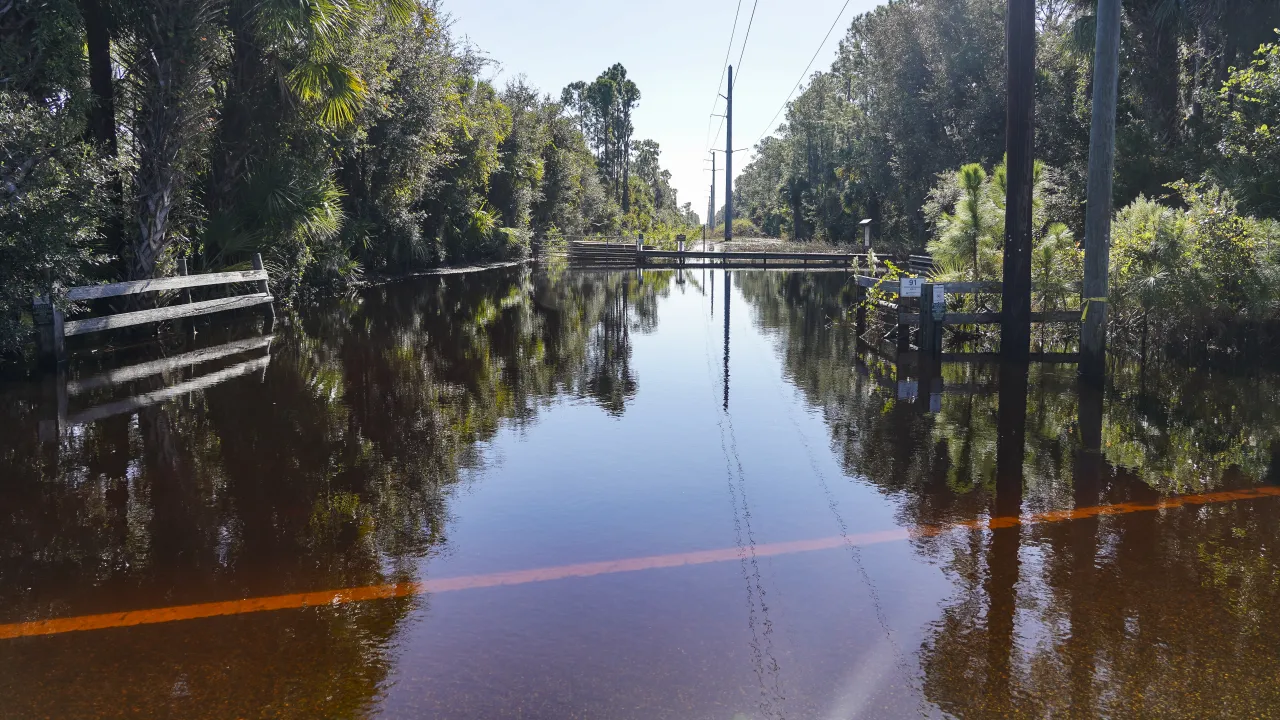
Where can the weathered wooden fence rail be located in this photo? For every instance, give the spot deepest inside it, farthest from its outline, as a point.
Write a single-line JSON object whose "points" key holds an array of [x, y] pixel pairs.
{"points": [[52, 328], [930, 314]]}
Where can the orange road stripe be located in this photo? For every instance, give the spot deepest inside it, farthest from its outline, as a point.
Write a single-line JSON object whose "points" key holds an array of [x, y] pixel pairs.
{"points": [[560, 572]]}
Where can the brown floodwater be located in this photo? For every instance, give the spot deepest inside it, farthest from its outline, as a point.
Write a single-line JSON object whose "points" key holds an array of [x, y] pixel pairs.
{"points": [[562, 494]]}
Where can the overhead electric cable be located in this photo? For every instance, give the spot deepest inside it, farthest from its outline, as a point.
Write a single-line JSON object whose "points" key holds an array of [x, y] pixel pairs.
{"points": [[723, 67], [804, 74], [745, 38]]}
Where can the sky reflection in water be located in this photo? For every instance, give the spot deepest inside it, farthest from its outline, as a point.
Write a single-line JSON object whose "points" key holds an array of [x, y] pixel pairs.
{"points": [[517, 420]]}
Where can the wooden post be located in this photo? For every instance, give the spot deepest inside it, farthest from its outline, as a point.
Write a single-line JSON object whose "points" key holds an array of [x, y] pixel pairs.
{"points": [[904, 331], [183, 271], [269, 309], [1097, 223], [51, 341], [930, 328], [1015, 314]]}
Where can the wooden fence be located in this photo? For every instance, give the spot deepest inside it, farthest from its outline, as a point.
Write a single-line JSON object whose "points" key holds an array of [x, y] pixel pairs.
{"points": [[929, 313], [52, 328]]}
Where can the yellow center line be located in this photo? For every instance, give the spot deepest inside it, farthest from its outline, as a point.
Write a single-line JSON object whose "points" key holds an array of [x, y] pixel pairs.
{"points": [[559, 572]]}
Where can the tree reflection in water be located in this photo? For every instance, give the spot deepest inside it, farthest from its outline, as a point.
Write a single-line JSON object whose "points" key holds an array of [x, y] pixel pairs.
{"points": [[337, 467], [331, 471], [1146, 614]]}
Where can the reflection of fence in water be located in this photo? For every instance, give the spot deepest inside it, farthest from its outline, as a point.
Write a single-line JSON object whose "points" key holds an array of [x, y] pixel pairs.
{"points": [[59, 390]]}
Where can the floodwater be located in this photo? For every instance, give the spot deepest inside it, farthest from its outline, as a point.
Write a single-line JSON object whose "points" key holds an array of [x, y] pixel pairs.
{"points": [[522, 494]]}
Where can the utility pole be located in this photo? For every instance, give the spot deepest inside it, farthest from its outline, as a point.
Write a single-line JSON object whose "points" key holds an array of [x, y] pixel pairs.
{"points": [[1097, 220], [728, 162], [711, 204], [1015, 315]]}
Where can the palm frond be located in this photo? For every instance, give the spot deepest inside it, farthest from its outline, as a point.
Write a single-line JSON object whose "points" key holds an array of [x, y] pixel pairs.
{"points": [[334, 88]]}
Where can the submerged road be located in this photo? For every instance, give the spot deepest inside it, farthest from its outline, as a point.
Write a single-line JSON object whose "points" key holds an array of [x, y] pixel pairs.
{"points": [[519, 577]]}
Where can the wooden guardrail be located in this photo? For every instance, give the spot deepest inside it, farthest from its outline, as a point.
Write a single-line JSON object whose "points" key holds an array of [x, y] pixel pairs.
{"points": [[763, 256], [52, 328]]}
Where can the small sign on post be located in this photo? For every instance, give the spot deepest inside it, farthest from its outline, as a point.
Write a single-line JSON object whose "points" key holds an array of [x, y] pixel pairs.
{"points": [[680, 243], [910, 287]]}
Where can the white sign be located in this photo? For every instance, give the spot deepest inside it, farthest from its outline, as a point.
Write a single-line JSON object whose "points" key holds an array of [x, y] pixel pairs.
{"points": [[939, 294], [910, 287]]}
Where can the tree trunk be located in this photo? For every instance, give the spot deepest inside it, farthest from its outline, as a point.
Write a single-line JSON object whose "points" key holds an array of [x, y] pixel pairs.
{"points": [[230, 156], [626, 175], [102, 119], [102, 114], [169, 66]]}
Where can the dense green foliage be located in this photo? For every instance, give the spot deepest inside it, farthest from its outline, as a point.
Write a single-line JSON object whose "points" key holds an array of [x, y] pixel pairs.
{"points": [[967, 210], [917, 90], [1179, 272], [337, 139], [907, 123]]}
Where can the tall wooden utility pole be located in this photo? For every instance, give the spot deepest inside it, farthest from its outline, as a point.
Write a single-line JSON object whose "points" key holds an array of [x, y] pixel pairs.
{"points": [[1097, 215], [1015, 317], [728, 161]]}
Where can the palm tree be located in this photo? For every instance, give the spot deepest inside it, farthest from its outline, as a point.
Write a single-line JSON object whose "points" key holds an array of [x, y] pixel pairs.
{"points": [[286, 57]]}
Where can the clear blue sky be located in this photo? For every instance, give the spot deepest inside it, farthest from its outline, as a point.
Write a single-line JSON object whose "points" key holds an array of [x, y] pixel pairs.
{"points": [[674, 50]]}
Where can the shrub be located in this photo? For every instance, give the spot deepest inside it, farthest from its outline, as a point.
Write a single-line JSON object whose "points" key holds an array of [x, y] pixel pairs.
{"points": [[51, 210], [1205, 265]]}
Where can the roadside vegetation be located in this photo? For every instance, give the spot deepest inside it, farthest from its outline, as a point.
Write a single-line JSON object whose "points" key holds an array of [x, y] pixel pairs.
{"points": [[337, 139], [907, 128]]}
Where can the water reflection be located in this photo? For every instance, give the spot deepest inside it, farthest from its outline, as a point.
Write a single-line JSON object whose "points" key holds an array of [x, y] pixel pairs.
{"points": [[1143, 614], [363, 447], [330, 470]]}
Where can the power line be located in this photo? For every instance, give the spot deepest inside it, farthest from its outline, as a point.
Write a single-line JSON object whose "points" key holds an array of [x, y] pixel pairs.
{"points": [[724, 66], [805, 74], [746, 37]]}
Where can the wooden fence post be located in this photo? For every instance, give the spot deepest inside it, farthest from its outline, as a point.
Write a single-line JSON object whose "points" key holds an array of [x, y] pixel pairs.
{"points": [[270, 310], [928, 330], [184, 271], [51, 341], [904, 331]]}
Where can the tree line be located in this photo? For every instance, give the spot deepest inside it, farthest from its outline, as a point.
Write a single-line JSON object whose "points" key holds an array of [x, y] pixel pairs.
{"points": [[338, 139], [907, 128]]}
